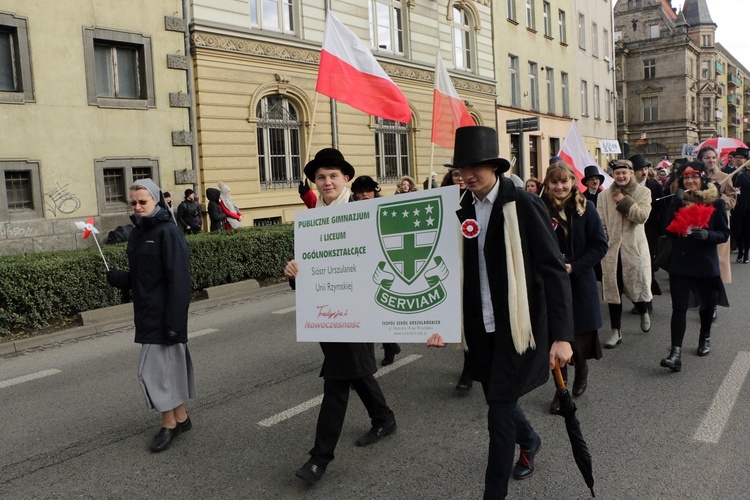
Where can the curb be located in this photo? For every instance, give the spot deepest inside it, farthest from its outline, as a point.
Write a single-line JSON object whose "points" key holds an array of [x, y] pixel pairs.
{"points": [[121, 316]]}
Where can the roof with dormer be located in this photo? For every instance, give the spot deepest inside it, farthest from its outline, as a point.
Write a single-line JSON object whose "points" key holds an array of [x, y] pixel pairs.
{"points": [[696, 12]]}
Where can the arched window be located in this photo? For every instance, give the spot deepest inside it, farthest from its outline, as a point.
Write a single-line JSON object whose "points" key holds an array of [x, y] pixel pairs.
{"points": [[461, 29], [279, 151], [391, 150]]}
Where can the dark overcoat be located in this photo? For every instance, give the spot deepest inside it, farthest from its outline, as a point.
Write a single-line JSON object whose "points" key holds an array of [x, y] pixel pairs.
{"points": [[159, 277], [654, 225], [505, 374], [215, 214], [586, 247]]}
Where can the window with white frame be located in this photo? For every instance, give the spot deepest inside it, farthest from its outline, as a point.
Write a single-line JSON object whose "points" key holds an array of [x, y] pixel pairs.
{"points": [[705, 70], [582, 31], [706, 110], [584, 98], [462, 42], [618, 36], [534, 85], [119, 69], [595, 39], [707, 40], [530, 15], [515, 84], [16, 84], [510, 9], [649, 69], [273, 15], [387, 26], [650, 109], [550, 91], [565, 91], [562, 26], [608, 105], [546, 12], [654, 31], [607, 42], [391, 150], [22, 197], [279, 151], [597, 104], [114, 176]]}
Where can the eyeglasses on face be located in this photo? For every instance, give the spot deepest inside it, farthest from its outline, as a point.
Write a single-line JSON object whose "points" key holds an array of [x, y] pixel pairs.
{"points": [[693, 177], [138, 202]]}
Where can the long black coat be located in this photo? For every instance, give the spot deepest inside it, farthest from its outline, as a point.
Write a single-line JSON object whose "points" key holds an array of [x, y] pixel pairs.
{"points": [[159, 277], [505, 374], [585, 247], [654, 225], [215, 214]]}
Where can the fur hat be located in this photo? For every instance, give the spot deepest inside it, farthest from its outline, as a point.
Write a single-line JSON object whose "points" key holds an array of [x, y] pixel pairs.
{"points": [[328, 158]]}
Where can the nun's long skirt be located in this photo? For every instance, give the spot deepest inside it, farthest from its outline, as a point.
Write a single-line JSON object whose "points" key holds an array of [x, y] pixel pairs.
{"points": [[166, 376]]}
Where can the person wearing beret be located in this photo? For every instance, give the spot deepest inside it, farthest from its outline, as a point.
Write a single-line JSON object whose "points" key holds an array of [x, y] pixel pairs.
{"points": [[624, 208], [696, 222], [514, 338], [345, 364], [593, 180]]}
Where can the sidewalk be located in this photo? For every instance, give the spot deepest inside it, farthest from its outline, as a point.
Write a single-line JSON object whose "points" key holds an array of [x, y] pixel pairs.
{"points": [[121, 316]]}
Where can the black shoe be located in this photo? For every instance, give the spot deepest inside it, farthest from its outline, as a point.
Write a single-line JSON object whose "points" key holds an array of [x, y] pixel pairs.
{"points": [[374, 434], [524, 467], [739, 257], [704, 344], [465, 383], [745, 260], [554, 406], [582, 379], [310, 472], [634, 310], [164, 438], [185, 426], [674, 360], [390, 353]]}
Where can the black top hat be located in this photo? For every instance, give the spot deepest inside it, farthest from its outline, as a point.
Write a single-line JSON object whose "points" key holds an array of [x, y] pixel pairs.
{"points": [[639, 162], [449, 165], [476, 145], [744, 152], [328, 158], [365, 183], [592, 171]]}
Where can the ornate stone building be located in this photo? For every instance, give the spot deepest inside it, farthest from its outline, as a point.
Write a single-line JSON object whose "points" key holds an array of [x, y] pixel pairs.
{"points": [[256, 62], [676, 84]]}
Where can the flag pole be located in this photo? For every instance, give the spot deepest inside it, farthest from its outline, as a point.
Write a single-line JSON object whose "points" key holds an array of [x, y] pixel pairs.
{"points": [[312, 126], [432, 167]]}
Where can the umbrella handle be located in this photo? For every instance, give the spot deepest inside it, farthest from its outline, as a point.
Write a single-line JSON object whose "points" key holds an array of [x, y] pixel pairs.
{"points": [[559, 382]]}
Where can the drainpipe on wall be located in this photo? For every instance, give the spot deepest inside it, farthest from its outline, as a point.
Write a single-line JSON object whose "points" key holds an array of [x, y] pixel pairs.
{"points": [[191, 109]]}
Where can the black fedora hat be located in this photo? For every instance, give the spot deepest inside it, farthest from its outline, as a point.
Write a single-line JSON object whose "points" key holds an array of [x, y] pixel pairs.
{"points": [[328, 158], [477, 145], [592, 171], [639, 162], [744, 152], [365, 183]]}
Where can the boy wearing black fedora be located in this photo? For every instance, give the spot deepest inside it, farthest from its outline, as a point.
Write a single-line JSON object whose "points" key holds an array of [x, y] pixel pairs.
{"points": [[516, 300], [593, 180], [345, 365]]}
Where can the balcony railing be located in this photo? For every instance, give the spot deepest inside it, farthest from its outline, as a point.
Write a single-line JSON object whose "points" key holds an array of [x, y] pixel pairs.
{"points": [[735, 80], [719, 67], [734, 100]]}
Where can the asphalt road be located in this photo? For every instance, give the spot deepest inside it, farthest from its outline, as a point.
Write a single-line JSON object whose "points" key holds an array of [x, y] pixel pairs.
{"points": [[73, 423]]}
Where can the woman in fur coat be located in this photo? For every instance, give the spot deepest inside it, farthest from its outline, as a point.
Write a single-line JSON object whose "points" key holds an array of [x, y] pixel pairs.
{"points": [[581, 239], [624, 208], [697, 221]]}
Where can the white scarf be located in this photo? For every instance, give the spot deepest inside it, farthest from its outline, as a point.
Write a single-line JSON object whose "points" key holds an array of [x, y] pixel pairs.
{"points": [[342, 198], [518, 299]]}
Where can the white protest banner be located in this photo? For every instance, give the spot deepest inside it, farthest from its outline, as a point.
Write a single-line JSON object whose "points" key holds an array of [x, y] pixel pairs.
{"points": [[380, 270], [609, 147], [689, 150]]}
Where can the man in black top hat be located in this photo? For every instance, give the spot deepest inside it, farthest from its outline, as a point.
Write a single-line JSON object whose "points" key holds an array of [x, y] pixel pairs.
{"points": [[516, 300], [593, 180]]}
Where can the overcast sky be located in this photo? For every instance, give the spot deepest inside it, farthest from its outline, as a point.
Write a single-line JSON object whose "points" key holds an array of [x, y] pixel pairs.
{"points": [[731, 17]]}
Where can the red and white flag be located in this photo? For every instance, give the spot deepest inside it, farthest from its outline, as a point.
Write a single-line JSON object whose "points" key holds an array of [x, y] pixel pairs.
{"points": [[448, 110], [573, 151], [349, 73]]}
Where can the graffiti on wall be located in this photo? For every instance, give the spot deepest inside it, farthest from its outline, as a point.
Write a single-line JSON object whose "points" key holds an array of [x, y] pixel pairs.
{"points": [[59, 200]]}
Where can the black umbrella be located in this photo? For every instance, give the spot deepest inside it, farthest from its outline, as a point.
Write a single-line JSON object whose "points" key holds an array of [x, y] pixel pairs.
{"points": [[568, 410]]}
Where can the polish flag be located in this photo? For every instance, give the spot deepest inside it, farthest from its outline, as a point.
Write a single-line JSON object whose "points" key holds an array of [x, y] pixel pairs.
{"points": [[574, 153], [349, 73], [448, 110]]}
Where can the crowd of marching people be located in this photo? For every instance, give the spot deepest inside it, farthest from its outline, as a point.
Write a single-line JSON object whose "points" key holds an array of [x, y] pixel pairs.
{"points": [[543, 258]]}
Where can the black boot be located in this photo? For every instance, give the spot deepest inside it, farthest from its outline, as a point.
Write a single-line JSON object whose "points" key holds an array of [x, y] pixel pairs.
{"points": [[391, 349], [704, 344], [674, 360], [554, 406], [465, 382]]}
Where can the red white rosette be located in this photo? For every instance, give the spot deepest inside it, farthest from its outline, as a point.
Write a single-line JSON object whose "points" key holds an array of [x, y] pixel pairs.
{"points": [[470, 228], [554, 224]]}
